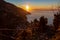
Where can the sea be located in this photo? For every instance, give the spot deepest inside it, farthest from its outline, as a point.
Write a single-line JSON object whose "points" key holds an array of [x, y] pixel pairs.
{"points": [[36, 14]]}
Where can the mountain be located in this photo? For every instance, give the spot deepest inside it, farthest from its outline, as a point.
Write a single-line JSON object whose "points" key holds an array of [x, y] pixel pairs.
{"points": [[10, 14], [11, 18]]}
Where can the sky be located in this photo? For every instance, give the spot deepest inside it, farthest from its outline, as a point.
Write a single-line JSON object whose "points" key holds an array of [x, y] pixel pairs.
{"points": [[35, 4]]}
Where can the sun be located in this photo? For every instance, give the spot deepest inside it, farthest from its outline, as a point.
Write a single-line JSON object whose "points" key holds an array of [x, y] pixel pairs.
{"points": [[27, 7]]}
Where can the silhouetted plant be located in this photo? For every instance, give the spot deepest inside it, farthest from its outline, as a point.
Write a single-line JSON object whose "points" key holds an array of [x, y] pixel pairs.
{"points": [[42, 24], [56, 21]]}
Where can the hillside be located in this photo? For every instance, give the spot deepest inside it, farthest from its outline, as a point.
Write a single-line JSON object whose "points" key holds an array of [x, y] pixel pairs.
{"points": [[11, 18]]}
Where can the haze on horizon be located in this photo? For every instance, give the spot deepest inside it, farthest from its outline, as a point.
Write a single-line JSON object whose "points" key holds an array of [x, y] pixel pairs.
{"points": [[36, 4]]}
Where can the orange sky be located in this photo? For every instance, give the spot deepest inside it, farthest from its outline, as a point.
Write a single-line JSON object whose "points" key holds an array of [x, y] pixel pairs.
{"points": [[36, 4], [38, 7]]}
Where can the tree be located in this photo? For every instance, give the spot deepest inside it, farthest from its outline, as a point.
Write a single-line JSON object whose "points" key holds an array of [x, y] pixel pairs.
{"points": [[43, 24], [36, 23], [56, 20]]}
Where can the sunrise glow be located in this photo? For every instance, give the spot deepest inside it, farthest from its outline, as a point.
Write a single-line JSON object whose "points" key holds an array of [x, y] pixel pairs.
{"points": [[27, 7]]}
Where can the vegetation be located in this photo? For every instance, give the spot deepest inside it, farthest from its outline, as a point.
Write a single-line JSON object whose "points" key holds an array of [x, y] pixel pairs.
{"points": [[14, 25]]}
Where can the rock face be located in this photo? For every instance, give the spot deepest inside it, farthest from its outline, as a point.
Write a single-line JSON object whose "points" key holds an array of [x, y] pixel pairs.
{"points": [[10, 17]]}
